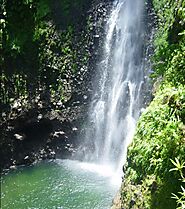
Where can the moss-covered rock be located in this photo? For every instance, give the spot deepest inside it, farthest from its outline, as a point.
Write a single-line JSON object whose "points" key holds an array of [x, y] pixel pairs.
{"points": [[49, 49], [150, 180], [159, 137]]}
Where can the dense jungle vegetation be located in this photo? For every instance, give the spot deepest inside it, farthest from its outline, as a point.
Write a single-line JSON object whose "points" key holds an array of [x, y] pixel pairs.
{"points": [[40, 50], [155, 170]]}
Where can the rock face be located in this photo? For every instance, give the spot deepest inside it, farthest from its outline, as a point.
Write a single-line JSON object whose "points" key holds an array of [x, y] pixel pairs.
{"points": [[116, 203], [48, 122]]}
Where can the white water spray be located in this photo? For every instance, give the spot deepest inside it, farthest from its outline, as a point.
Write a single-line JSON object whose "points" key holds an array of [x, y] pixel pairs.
{"points": [[118, 97]]}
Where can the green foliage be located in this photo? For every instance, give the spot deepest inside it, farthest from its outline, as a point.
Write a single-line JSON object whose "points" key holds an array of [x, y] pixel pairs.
{"points": [[178, 166], [160, 134], [38, 55], [19, 25], [170, 41], [43, 9], [180, 198], [67, 6]]}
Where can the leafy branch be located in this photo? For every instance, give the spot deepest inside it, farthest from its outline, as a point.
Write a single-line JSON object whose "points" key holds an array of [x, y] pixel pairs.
{"points": [[179, 166]]}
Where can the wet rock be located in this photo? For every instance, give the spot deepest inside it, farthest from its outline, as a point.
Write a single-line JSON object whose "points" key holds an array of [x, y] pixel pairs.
{"points": [[13, 167], [116, 203], [20, 136], [40, 116], [74, 129], [26, 158], [58, 133]]}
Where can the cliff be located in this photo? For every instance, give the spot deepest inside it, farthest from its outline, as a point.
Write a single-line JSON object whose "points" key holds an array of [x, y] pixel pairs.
{"points": [[48, 52]]}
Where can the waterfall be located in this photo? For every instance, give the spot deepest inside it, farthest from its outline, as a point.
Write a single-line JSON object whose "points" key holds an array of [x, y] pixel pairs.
{"points": [[118, 96]]}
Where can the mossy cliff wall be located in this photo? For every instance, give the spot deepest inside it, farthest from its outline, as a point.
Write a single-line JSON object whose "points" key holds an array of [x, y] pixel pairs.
{"points": [[49, 48], [43, 44], [155, 167]]}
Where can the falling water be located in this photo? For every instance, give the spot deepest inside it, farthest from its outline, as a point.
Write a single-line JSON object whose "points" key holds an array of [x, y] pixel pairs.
{"points": [[118, 96], [115, 108]]}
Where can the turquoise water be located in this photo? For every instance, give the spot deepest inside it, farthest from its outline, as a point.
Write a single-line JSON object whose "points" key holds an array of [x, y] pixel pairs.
{"points": [[60, 184]]}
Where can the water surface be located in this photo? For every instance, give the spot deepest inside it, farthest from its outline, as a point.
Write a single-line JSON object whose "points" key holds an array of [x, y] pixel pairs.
{"points": [[60, 184]]}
